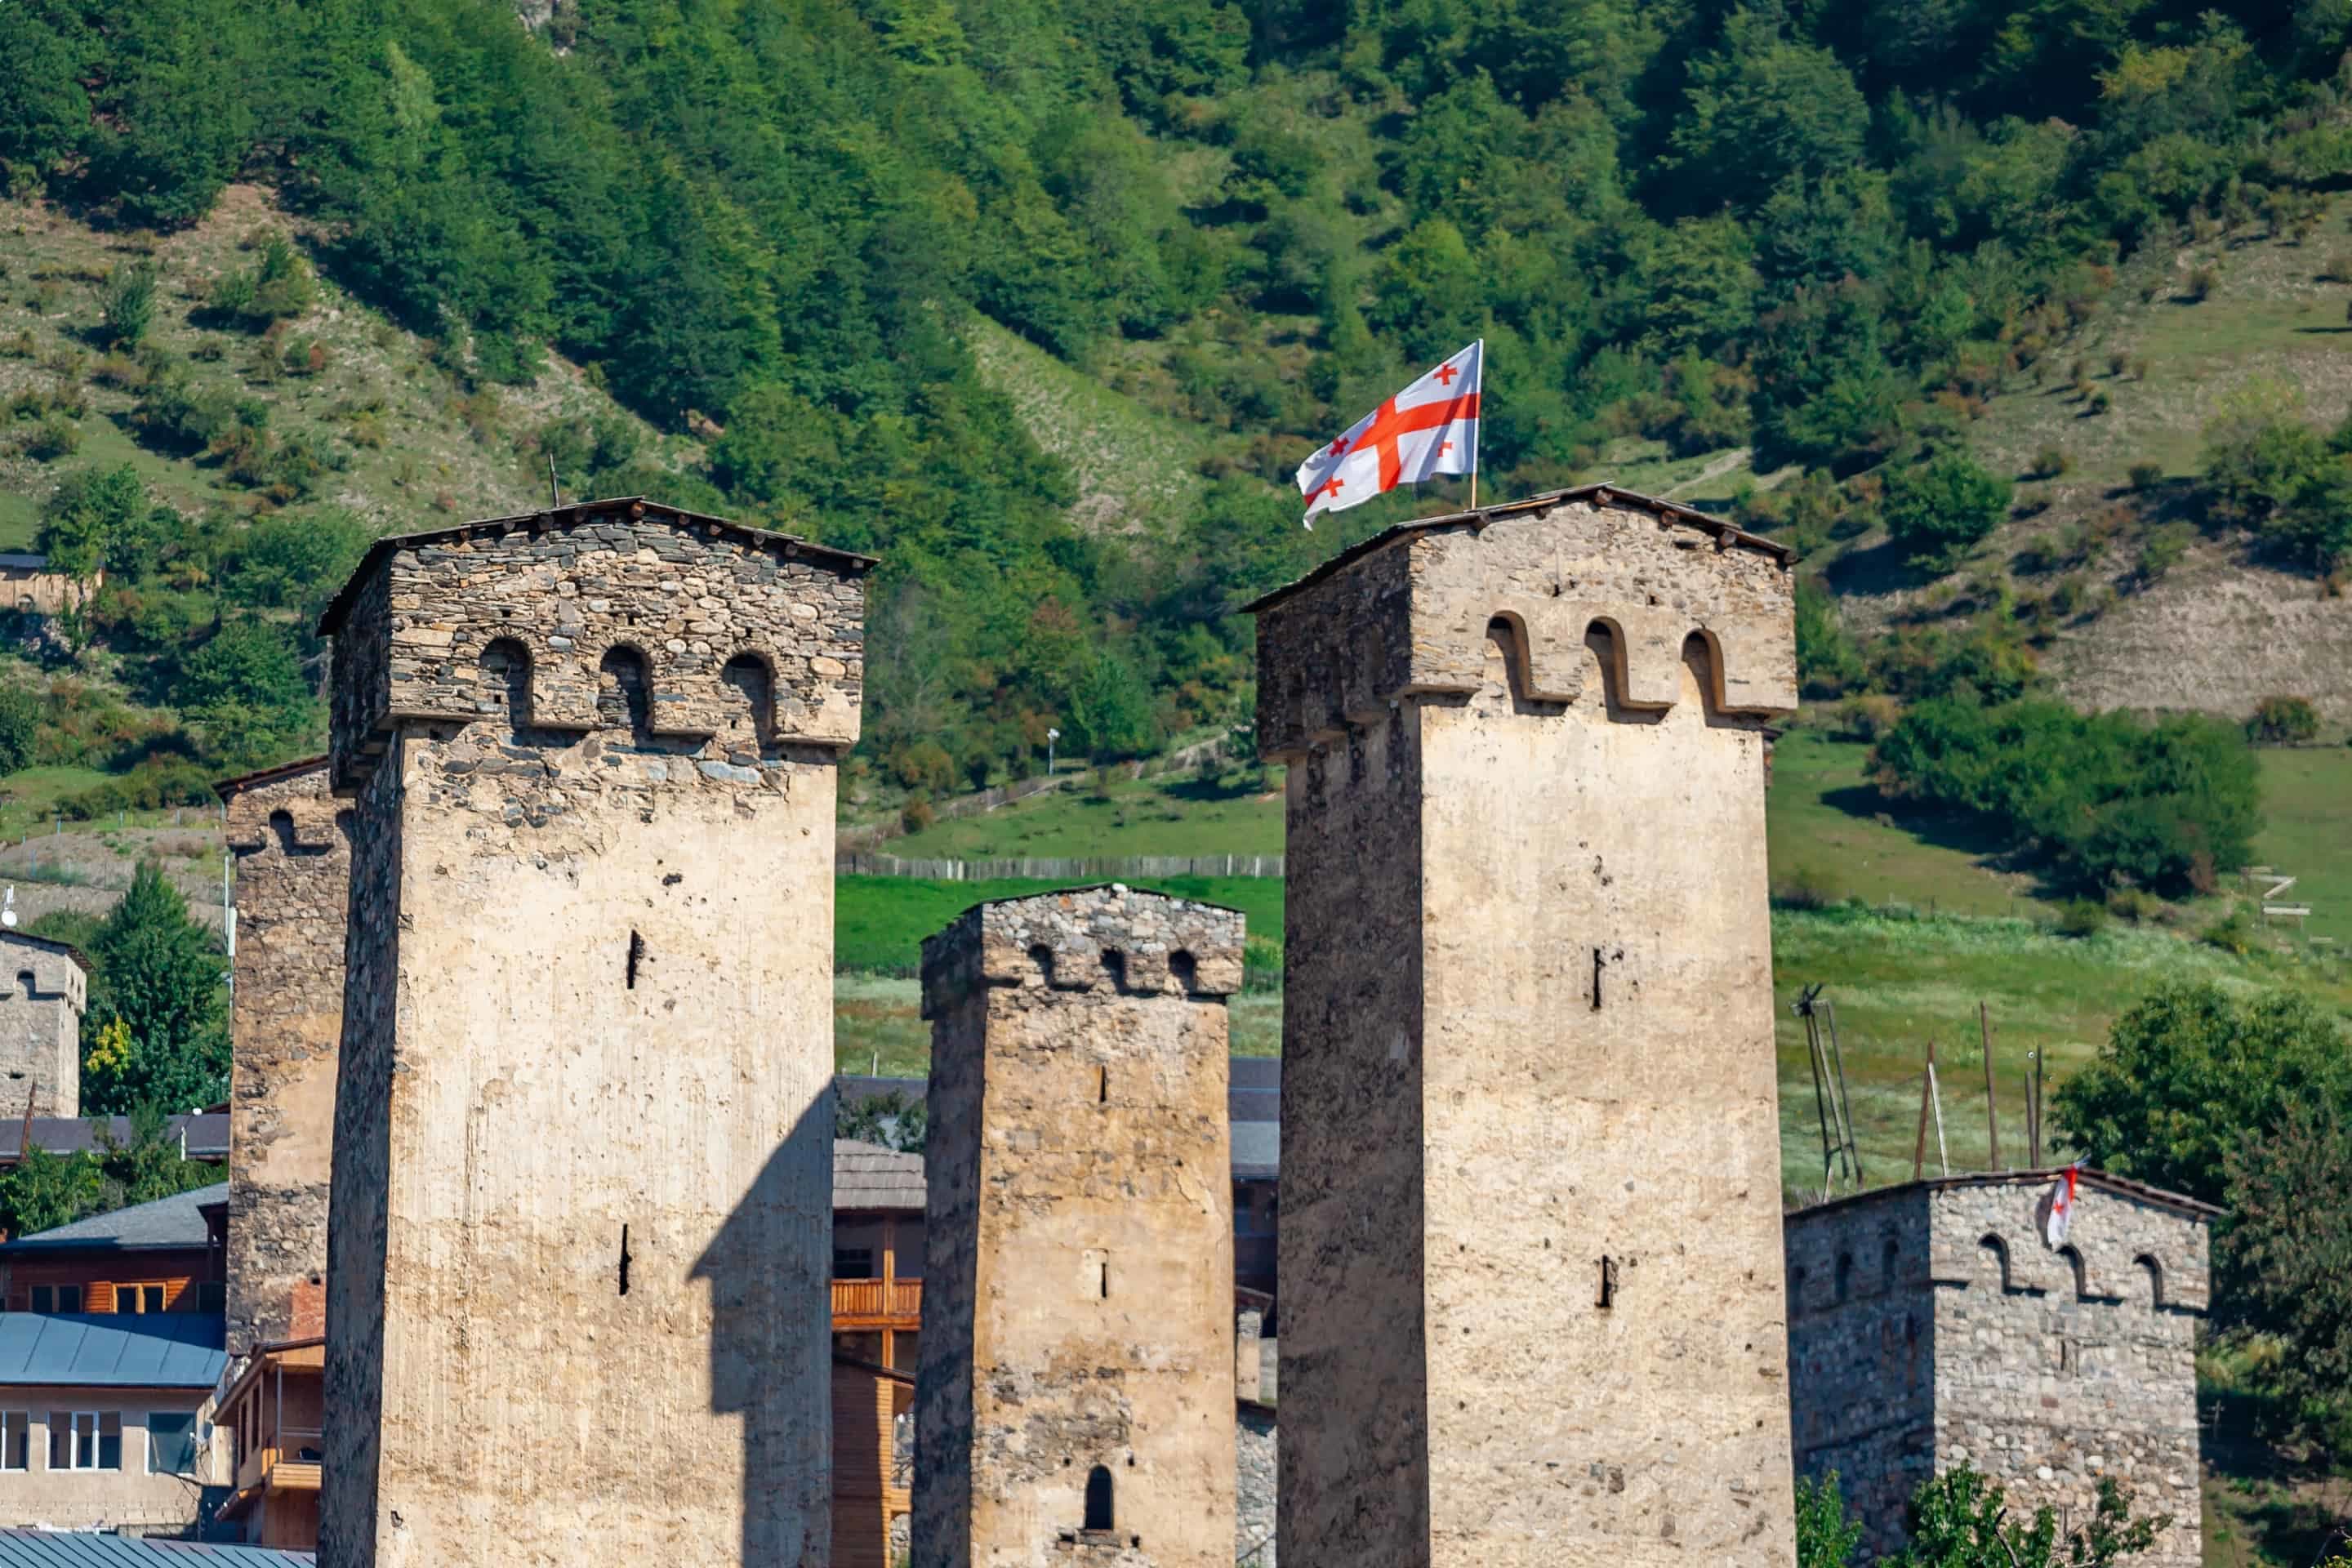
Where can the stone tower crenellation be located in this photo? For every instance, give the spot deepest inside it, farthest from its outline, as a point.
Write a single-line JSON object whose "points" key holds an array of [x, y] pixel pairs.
{"points": [[1530, 1246], [581, 1239], [1074, 1401]]}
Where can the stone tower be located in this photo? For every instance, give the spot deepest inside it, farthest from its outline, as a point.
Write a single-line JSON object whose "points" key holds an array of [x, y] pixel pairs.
{"points": [[1530, 1243], [582, 1174], [43, 994], [1074, 1403], [291, 840]]}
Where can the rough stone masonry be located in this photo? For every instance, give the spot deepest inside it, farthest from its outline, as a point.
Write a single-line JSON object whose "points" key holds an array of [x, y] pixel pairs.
{"points": [[1931, 1326], [582, 1167], [291, 840], [44, 991], [1074, 1403], [1531, 1249]]}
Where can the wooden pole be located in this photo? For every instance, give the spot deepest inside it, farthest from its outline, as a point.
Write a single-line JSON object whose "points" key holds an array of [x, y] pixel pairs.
{"points": [[1845, 1099], [1935, 1098], [1821, 1096], [2040, 1149], [1992, 1105], [1926, 1089]]}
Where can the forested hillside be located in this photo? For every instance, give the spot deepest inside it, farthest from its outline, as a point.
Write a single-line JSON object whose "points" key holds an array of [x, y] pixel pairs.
{"points": [[1042, 299]]}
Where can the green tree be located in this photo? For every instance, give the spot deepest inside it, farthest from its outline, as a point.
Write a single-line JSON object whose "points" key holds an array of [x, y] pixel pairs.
{"points": [[246, 687], [42, 1191], [1826, 1534], [20, 723], [1937, 510], [1960, 1520], [160, 974], [2190, 1073], [1762, 109], [147, 1164], [128, 306], [2287, 1251]]}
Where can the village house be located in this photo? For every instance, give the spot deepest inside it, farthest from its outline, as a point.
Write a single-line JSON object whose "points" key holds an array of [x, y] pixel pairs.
{"points": [[28, 587], [198, 1136], [1932, 1325], [108, 1353], [273, 1419]]}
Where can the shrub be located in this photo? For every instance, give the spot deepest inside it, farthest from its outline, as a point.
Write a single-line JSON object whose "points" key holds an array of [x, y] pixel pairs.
{"points": [[2145, 476], [2337, 268], [917, 816], [1937, 508], [2048, 463], [120, 372], [2081, 918], [2119, 362], [2282, 722], [2099, 403], [2134, 904], [128, 308], [54, 437], [2202, 284], [1806, 888], [2164, 550], [1867, 718]]}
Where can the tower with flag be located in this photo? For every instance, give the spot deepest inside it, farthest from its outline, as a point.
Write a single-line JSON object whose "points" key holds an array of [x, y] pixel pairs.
{"points": [[1428, 428]]}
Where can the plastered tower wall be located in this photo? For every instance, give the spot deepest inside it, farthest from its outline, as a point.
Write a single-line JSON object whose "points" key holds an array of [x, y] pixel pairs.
{"points": [[1077, 1303], [43, 995], [1932, 1326], [1528, 975], [581, 1190], [291, 840]]}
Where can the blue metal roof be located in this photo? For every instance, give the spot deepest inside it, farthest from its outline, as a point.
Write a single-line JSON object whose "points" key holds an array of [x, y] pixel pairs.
{"points": [[62, 1549], [111, 1349]]}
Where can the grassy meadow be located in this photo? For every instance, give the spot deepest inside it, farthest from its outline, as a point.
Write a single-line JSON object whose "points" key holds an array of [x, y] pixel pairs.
{"points": [[1923, 921]]}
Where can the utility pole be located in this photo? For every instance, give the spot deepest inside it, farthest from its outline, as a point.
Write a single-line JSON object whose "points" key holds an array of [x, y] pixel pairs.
{"points": [[1992, 1106]]}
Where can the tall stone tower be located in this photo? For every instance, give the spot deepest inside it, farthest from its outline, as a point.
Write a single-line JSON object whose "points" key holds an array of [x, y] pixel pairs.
{"points": [[578, 1269], [291, 840], [1074, 1403], [44, 991], [1531, 1298]]}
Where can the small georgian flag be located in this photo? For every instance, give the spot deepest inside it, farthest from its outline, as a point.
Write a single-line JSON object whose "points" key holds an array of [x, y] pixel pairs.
{"points": [[2062, 1210], [1428, 428]]}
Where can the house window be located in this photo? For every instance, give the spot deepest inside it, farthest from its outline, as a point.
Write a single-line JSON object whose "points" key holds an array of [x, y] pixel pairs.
{"points": [[1098, 1500], [171, 1443], [138, 1297], [84, 1439], [854, 1263], [16, 1439], [57, 1298]]}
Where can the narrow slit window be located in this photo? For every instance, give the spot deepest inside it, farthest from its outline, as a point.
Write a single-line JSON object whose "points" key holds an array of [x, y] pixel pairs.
{"points": [[1597, 962], [1608, 1282], [625, 1260], [1102, 1085], [637, 956], [1099, 1513], [1102, 1284]]}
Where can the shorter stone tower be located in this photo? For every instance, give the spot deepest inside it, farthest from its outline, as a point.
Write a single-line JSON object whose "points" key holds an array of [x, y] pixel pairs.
{"points": [[1076, 1396], [292, 843], [43, 995]]}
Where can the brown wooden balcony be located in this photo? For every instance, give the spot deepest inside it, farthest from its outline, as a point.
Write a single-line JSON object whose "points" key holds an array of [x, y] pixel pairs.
{"points": [[877, 1303]]}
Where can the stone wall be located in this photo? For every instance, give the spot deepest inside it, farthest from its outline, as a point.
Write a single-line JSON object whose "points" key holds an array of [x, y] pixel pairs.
{"points": [[1085, 1158], [1862, 1343], [43, 995], [1256, 1487], [583, 1126], [1932, 1327], [2054, 1369], [291, 840], [1529, 974]]}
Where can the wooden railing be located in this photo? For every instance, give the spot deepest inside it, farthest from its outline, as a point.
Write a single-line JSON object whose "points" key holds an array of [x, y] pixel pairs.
{"points": [[276, 1460], [872, 1300]]}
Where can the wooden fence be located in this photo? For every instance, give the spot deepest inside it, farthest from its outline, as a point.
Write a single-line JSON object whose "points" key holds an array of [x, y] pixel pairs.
{"points": [[1096, 869]]}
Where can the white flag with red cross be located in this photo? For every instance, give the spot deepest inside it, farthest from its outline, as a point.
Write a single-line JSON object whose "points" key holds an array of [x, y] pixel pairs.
{"points": [[1428, 428], [2062, 1210]]}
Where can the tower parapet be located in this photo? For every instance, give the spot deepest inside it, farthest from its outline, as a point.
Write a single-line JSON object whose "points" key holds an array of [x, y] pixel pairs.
{"points": [[1408, 614]]}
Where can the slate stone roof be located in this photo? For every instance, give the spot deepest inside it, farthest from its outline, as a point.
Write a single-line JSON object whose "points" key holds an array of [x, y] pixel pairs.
{"points": [[202, 1136], [868, 1176], [111, 1350], [77, 1549], [175, 1222]]}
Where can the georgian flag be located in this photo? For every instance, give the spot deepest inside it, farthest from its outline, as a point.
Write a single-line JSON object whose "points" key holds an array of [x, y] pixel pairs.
{"points": [[1428, 428], [2062, 1210]]}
